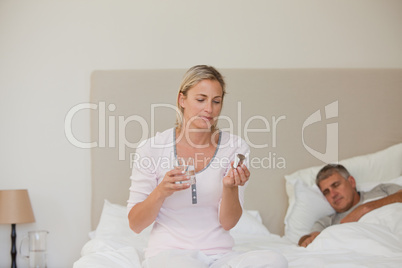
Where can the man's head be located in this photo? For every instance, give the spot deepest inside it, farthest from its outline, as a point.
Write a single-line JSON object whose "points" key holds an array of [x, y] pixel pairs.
{"points": [[338, 187]]}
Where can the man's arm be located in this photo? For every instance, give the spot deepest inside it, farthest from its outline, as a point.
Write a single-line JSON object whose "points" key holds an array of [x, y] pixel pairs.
{"points": [[307, 239], [317, 228], [361, 210]]}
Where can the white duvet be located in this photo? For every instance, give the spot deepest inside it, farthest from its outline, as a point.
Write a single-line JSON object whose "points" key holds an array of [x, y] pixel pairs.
{"points": [[377, 233], [374, 241]]}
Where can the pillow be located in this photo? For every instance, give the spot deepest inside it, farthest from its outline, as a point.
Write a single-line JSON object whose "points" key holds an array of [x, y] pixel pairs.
{"points": [[305, 207], [311, 205], [114, 223], [250, 223]]}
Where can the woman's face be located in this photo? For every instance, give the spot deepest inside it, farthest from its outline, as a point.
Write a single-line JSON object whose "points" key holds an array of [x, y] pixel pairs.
{"points": [[202, 105]]}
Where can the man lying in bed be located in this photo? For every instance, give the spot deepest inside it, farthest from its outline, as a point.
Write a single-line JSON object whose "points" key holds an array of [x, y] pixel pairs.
{"points": [[339, 188]]}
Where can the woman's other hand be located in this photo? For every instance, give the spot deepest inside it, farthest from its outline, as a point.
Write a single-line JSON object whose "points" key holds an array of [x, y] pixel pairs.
{"points": [[236, 176]]}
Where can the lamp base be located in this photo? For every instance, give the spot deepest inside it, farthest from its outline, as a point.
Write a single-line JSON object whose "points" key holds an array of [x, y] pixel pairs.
{"points": [[13, 246]]}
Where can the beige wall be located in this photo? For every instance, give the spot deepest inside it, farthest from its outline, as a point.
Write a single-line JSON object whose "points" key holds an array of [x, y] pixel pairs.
{"points": [[290, 118], [48, 50]]}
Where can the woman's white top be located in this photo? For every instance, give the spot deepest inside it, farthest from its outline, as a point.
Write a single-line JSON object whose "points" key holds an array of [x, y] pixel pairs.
{"points": [[181, 224]]}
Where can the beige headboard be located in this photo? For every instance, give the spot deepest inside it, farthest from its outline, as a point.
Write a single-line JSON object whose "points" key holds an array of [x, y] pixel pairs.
{"points": [[363, 108]]}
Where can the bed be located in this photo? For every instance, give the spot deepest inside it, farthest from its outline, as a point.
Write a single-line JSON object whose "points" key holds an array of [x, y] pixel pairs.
{"points": [[363, 105]]}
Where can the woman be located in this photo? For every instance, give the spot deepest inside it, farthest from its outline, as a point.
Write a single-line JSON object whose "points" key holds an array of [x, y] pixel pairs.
{"points": [[187, 234]]}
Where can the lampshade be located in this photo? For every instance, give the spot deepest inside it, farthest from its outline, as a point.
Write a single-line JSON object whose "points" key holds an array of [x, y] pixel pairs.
{"points": [[15, 207]]}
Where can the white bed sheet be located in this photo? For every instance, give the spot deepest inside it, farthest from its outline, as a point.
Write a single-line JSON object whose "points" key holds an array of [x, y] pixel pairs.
{"points": [[374, 241]]}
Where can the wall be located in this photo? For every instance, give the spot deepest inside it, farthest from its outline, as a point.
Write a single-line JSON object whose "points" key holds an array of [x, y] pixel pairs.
{"points": [[48, 50]]}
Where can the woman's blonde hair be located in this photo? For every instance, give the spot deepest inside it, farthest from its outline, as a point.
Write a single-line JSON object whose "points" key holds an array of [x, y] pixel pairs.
{"points": [[193, 76]]}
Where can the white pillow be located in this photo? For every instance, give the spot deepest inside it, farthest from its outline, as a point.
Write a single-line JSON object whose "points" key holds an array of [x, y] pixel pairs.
{"points": [[113, 222], [114, 230], [304, 205], [311, 205], [250, 223]]}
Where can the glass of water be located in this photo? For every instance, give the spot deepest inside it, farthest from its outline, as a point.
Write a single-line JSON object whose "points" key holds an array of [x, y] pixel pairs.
{"points": [[188, 169], [186, 165]]}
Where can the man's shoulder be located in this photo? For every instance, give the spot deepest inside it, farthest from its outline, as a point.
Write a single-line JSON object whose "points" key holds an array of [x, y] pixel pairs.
{"points": [[380, 191], [388, 188]]}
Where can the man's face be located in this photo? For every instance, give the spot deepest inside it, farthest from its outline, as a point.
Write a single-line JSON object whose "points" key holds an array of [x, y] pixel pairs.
{"points": [[340, 192]]}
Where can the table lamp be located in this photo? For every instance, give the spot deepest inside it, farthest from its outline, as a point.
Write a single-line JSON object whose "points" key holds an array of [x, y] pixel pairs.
{"points": [[15, 207]]}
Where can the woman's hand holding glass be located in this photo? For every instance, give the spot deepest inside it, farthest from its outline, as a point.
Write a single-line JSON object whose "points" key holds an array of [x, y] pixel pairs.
{"points": [[177, 179], [170, 184]]}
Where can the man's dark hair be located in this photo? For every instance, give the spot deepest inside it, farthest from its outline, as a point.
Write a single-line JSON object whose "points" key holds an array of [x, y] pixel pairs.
{"points": [[329, 170]]}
